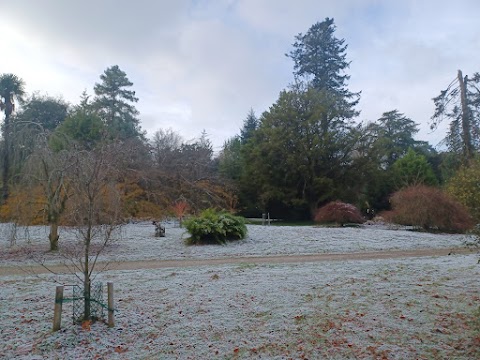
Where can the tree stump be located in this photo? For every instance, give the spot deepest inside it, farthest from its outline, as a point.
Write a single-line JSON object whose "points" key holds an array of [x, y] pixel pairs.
{"points": [[159, 229]]}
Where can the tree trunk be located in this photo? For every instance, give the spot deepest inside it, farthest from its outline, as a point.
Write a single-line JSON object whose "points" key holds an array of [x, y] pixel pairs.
{"points": [[86, 271], [6, 154], [86, 297], [53, 236], [467, 139]]}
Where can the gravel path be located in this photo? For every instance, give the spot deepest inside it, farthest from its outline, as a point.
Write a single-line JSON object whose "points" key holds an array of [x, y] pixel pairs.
{"points": [[281, 259]]}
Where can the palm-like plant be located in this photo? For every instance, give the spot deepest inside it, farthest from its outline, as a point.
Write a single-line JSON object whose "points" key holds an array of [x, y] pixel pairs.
{"points": [[12, 89]]}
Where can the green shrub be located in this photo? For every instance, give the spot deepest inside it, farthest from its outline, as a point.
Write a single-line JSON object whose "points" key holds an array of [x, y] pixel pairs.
{"points": [[213, 227], [430, 209], [340, 213], [413, 169], [465, 187]]}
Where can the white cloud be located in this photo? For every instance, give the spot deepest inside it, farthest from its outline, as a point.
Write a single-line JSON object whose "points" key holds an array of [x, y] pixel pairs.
{"points": [[202, 64]]}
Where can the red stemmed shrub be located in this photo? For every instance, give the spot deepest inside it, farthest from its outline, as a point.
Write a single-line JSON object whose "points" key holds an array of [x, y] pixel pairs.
{"points": [[429, 208], [180, 209], [338, 212]]}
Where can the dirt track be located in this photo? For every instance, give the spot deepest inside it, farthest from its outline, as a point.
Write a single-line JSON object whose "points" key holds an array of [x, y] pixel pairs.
{"points": [[278, 259]]}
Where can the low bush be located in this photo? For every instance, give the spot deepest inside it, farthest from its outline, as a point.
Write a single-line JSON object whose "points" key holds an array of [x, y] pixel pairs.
{"points": [[429, 208], [339, 213], [213, 227]]}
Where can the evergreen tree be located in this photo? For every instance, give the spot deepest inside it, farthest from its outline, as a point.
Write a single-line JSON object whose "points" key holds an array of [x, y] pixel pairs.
{"points": [[249, 126], [301, 151], [43, 110], [298, 155], [82, 126], [393, 134], [114, 103], [230, 159], [380, 145], [38, 117], [320, 58], [413, 169]]}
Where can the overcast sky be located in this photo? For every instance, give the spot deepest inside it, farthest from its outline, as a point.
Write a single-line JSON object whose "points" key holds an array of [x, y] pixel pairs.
{"points": [[202, 64]]}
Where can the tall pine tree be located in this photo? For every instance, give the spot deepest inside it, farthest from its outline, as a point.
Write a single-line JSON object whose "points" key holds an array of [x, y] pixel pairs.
{"points": [[320, 60], [115, 104], [249, 126]]}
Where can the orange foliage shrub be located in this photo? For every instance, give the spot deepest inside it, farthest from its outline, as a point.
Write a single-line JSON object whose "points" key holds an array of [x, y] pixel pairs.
{"points": [[223, 195], [24, 207], [136, 202], [430, 209], [340, 213], [180, 208]]}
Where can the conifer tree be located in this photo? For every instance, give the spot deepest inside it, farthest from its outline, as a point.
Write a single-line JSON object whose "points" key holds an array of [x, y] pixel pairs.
{"points": [[320, 59], [115, 104], [249, 126]]}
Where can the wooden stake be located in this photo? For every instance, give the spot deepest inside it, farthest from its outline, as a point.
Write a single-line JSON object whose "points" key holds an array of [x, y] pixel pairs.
{"points": [[57, 314], [111, 320]]}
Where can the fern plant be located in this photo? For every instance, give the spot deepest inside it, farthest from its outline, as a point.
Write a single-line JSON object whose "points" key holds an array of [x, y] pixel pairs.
{"points": [[213, 227]]}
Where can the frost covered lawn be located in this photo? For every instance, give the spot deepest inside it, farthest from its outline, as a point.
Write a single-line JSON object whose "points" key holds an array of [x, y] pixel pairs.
{"points": [[137, 242], [418, 308]]}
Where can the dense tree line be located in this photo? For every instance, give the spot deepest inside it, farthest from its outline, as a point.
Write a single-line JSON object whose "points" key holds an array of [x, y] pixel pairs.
{"points": [[307, 149], [44, 140]]}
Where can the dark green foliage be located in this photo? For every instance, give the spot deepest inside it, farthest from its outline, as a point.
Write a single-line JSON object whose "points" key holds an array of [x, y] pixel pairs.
{"points": [[213, 227], [249, 126], [38, 116], [232, 166], [429, 208], [393, 136], [11, 88], [320, 58], [230, 159], [114, 103], [298, 155], [300, 152], [338, 212], [83, 127], [42, 113], [379, 145], [413, 169]]}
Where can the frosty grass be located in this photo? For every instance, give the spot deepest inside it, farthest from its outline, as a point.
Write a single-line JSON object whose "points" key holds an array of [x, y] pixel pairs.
{"points": [[412, 308]]}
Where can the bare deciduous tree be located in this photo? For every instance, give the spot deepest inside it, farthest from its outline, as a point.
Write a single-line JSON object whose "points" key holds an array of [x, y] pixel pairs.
{"points": [[92, 210], [50, 170], [95, 209]]}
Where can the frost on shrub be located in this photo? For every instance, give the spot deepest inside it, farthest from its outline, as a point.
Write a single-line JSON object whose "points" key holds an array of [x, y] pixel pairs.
{"points": [[430, 209], [340, 213], [215, 227]]}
